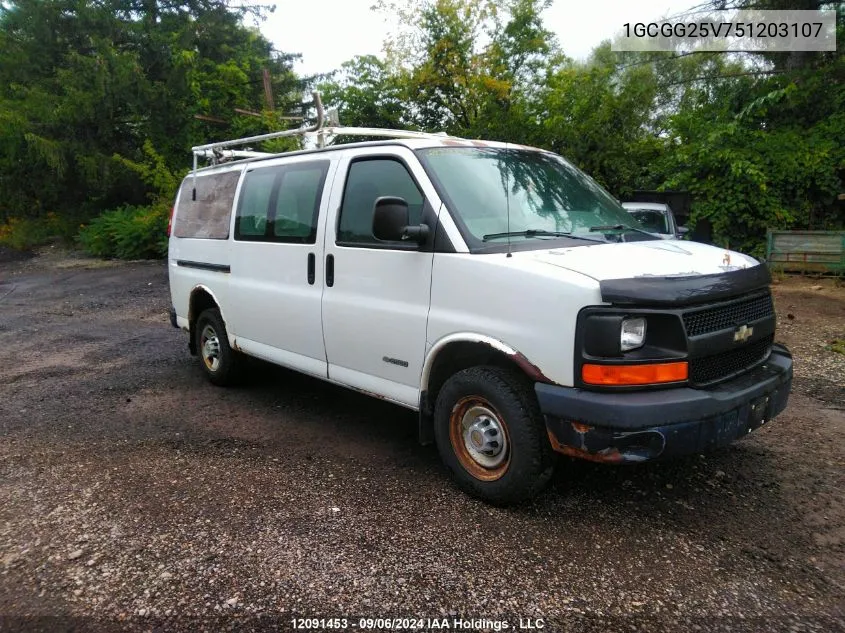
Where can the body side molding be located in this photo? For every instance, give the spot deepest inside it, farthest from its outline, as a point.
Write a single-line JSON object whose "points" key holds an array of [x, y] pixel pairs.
{"points": [[217, 268]]}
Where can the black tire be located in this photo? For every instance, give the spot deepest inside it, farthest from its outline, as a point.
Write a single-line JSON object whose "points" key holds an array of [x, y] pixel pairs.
{"points": [[225, 370], [509, 396]]}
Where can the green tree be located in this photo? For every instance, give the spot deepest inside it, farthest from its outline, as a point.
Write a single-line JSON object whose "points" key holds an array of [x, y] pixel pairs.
{"points": [[82, 83], [100, 103], [602, 116], [759, 141], [467, 67], [366, 94]]}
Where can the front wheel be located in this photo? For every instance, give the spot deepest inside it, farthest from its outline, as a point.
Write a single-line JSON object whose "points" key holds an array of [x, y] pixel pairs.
{"points": [[491, 435], [221, 363]]}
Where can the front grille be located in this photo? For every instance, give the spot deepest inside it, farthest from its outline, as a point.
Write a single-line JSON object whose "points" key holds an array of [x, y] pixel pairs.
{"points": [[729, 315], [710, 369]]}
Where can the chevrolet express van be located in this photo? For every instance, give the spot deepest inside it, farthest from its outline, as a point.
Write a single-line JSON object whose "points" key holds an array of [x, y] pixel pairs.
{"points": [[495, 289]]}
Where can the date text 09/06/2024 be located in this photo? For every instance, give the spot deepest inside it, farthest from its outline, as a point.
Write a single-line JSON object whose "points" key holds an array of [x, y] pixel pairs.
{"points": [[417, 624]]}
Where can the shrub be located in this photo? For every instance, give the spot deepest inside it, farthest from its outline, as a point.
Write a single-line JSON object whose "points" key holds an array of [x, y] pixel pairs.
{"points": [[128, 233], [25, 233]]}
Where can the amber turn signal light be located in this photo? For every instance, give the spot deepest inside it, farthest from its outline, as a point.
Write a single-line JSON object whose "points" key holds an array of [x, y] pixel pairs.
{"points": [[650, 374]]}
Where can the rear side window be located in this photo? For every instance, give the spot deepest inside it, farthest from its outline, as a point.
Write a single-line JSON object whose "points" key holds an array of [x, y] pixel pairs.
{"points": [[368, 180], [281, 203], [298, 203], [254, 202], [209, 215]]}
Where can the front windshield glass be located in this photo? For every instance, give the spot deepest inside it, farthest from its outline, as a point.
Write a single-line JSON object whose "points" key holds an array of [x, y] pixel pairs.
{"points": [[542, 193], [651, 220]]}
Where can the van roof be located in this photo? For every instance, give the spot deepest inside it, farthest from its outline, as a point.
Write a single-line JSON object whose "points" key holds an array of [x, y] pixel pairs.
{"points": [[223, 152], [416, 143]]}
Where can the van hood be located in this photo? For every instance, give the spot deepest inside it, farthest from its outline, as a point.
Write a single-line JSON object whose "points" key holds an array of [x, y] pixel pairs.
{"points": [[658, 258]]}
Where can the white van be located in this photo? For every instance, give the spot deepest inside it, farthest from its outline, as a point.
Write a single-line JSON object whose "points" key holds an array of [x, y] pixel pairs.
{"points": [[495, 289], [657, 218]]}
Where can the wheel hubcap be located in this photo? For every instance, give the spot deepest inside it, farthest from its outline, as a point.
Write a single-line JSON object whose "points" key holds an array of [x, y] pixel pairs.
{"points": [[210, 348], [483, 436], [480, 438]]}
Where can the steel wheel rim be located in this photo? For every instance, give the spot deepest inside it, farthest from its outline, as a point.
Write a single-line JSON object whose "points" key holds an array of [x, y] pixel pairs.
{"points": [[480, 438], [210, 348]]}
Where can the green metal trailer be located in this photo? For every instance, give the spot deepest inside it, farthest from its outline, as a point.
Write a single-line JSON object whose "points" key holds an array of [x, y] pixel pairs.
{"points": [[806, 251]]}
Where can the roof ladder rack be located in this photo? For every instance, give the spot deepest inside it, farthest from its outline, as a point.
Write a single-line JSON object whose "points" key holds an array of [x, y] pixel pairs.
{"points": [[221, 150]]}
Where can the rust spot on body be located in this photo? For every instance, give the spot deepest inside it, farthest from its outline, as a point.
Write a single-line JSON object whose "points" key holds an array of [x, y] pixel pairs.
{"points": [[597, 445], [581, 428], [531, 369], [372, 394], [608, 456]]}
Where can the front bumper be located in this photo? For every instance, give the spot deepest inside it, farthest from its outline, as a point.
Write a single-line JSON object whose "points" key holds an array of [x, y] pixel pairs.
{"points": [[646, 425]]}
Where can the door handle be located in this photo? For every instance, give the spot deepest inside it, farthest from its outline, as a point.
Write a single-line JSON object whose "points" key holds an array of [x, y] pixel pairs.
{"points": [[312, 264], [330, 270]]}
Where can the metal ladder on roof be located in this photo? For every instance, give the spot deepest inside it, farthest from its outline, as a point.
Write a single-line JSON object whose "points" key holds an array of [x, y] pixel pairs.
{"points": [[221, 151]]}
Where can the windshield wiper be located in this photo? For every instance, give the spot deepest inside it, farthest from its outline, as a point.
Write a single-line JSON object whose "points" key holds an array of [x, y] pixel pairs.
{"points": [[621, 227], [537, 233]]}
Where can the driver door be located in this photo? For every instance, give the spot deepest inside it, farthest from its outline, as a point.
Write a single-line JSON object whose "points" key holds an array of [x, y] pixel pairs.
{"points": [[376, 297]]}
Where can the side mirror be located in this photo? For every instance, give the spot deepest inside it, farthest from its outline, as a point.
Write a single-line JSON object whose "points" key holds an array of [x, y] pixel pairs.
{"points": [[682, 231], [391, 222]]}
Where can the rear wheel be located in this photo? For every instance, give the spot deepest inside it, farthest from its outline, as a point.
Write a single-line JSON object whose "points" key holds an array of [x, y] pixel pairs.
{"points": [[491, 435], [221, 363]]}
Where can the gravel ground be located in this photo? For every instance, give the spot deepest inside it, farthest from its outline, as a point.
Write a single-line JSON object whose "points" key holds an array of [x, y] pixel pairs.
{"points": [[134, 495]]}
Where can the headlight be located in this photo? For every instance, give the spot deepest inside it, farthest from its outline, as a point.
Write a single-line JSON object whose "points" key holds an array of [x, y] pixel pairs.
{"points": [[632, 334]]}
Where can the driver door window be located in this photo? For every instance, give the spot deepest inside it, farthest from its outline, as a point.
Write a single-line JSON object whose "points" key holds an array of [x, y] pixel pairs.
{"points": [[367, 181]]}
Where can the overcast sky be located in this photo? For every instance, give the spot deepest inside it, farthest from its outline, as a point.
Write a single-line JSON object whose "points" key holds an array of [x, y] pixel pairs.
{"points": [[345, 28]]}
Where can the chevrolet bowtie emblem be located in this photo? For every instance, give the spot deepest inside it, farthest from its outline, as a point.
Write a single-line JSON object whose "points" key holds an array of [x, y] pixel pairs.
{"points": [[743, 333]]}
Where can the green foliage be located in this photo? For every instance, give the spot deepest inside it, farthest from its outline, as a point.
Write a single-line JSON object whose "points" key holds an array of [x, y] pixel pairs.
{"points": [[467, 67], [758, 140], [774, 160], [24, 234], [366, 94], [128, 233], [154, 172], [602, 120], [27, 233], [837, 345], [99, 101]]}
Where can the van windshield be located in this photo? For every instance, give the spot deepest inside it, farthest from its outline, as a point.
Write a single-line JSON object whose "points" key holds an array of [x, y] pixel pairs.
{"points": [[498, 193]]}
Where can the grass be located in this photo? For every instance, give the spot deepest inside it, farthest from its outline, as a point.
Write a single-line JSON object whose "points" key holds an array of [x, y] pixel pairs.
{"points": [[837, 345]]}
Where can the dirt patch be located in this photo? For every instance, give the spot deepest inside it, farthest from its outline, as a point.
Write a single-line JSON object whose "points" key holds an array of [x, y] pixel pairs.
{"points": [[811, 318], [8, 255]]}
